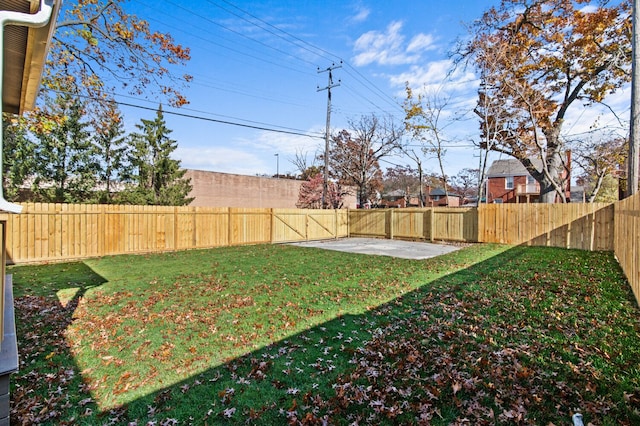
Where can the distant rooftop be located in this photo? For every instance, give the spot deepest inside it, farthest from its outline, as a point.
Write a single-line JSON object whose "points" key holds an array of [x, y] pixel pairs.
{"points": [[509, 167]]}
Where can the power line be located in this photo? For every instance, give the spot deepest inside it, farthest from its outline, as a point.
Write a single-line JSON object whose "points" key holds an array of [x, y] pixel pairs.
{"points": [[300, 44], [385, 96], [214, 43], [237, 32], [196, 117], [276, 32]]}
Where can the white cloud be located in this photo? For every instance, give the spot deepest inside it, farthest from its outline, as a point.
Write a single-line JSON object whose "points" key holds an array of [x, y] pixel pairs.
{"points": [[582, 120], [361, 14], [388, 48], [421, 43], [434, 76]]}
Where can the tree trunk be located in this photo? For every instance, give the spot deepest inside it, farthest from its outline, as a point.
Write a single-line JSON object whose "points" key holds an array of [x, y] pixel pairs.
{"points": [[596, 188], [550, 177], [421, 191]]}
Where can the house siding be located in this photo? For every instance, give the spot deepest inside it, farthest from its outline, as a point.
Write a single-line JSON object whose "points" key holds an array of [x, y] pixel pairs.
{"points": [[497, 189], [500, 170]]}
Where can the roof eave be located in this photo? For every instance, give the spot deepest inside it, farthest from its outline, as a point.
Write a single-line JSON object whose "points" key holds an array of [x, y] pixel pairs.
{"points": [[25, 58]]}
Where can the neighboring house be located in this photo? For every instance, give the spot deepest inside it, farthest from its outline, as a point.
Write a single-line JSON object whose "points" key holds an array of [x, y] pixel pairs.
{"points": [[578, 194], [395, 198], [434, 197], [509, 182], [437, 197]]}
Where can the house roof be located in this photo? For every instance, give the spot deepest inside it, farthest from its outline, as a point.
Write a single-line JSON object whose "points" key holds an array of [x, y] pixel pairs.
{"points": [[440, 191], [394, 193], [509, 167], [24, 52]]}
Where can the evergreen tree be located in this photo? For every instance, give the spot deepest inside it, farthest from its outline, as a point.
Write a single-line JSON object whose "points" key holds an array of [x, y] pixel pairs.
{"points": [[66, 164], [155, 177], [18, 156], [112, 148]]}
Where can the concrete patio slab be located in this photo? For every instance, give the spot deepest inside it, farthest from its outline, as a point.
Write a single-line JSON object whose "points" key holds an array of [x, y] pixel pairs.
{"points": [[382, 247]]}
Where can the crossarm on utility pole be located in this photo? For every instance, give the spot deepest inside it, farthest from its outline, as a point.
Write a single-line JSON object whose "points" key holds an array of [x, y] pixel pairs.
{"points": [[330, 85]]}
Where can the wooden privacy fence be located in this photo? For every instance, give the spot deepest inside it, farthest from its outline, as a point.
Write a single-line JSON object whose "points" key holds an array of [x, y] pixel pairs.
{"points": [[627, 240], [586, 226], [50, 232], [431, 224], [53, 232], [56, 232]]}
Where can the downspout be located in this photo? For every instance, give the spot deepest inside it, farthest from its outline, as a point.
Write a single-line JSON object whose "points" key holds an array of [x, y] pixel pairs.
{"points": [[36, 20]]}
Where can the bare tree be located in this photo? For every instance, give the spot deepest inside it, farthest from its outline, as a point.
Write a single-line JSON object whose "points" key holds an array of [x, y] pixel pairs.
{"points": [[306, 169], [599, 159], [355, 155], [424, 120], [465, 183]]}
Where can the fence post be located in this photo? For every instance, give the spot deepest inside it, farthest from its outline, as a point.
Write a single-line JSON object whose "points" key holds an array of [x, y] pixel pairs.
{"points": [[272, 224], [479, 223], [388, 224], [229, 225], [432, 224], [175, 228], [102, 230]]}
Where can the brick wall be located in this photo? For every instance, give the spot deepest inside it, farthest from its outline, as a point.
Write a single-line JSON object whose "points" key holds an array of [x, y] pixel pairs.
{"points": [[213, 189], [497, 188]]}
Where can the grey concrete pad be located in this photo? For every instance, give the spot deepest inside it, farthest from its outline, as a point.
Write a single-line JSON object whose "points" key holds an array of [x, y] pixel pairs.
{"points": [[382, 247]]}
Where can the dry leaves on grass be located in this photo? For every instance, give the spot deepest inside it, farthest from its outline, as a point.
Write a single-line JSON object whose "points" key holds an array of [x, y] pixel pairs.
{"points": [[442, 355], [45, 393]]}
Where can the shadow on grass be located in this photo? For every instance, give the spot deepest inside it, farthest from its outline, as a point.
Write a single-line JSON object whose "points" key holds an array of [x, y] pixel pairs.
{"points": [[501, 341], [52, 383]]}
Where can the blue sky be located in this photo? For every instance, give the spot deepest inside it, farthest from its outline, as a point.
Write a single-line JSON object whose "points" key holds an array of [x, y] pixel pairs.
{"points": [[256, 63]]}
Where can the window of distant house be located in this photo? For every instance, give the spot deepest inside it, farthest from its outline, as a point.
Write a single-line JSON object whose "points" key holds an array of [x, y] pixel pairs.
{"points": [[508, 182], [435, 197], [530, 180]]}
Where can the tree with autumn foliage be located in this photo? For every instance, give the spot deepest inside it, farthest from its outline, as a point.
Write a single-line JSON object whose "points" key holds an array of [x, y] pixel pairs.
{"points": [[310, 195], [98, 48], [602, 162], [354, 157], [405, 179], [537, 59]]}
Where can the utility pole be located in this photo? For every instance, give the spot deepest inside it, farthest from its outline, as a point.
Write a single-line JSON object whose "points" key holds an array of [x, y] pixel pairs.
{"points": [[277, 165], [634, 128], [331, 85]]}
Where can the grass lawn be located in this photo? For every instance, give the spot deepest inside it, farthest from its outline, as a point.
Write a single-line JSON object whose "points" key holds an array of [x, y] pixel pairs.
{"points": [[275, 334]]}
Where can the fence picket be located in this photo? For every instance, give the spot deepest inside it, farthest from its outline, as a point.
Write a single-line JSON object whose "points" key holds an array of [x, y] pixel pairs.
{"points": [[57, 232]]}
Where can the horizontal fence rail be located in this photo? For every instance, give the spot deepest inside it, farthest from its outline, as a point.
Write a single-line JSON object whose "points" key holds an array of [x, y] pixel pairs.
{"points": [[586, 226], [436, 223], [58, 232], [61, 232]]}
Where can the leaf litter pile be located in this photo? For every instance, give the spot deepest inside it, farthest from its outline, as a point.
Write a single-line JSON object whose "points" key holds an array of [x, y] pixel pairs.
{"points": [[487, 335]]}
